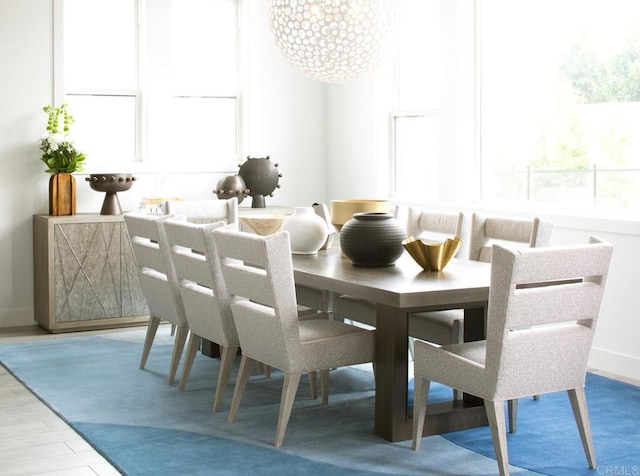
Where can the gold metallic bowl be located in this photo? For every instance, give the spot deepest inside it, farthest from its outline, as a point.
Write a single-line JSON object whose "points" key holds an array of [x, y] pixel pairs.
{"points": [[432, 256], [263, 224], [343, 210]]}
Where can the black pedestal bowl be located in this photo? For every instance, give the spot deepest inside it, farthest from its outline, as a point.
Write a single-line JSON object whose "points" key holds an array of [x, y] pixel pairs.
{"points": [[111, 184]]}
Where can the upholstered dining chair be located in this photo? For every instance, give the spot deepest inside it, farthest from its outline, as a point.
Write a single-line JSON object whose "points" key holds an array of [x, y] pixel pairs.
{"points": [[260, 270], [447, 327], [159, 283], [543, 309], [206, 302], [204, 211]]}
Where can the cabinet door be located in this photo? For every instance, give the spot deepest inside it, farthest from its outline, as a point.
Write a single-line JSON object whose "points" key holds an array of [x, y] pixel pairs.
{"points": [[94, 272]]}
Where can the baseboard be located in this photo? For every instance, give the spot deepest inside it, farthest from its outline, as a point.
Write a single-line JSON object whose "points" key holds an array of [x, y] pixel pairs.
{"points": [[619, 364], [17, 317]]}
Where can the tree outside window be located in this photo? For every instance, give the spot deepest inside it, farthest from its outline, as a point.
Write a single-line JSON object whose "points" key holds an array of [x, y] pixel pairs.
{"points": [[561, 101]]}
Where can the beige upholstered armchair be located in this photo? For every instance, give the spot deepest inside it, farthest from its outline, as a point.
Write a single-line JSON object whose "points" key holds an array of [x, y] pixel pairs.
{"points": [[447, 327], [206, 302], [543, 309], [159, 283], [259, 268]]}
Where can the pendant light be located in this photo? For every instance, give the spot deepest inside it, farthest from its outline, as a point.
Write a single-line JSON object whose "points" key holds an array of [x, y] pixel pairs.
{"points": [[334, 41]]}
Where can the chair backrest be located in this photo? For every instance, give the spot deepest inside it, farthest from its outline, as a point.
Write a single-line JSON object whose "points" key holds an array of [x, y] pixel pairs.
{"points": [[543, 308], [437, 225], [510, 232], [204, 211], [158, 276], [200, 281], [259, 269]]}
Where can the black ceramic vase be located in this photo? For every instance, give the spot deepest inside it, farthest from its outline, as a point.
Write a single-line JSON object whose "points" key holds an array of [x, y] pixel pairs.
{"points": [[372, 239]]}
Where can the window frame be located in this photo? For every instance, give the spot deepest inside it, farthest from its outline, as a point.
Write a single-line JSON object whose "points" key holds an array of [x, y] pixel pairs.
{"points": [[144, 161]]}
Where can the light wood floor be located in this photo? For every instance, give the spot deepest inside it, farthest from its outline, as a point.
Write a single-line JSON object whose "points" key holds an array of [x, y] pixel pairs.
{"points": [[34, 441]]}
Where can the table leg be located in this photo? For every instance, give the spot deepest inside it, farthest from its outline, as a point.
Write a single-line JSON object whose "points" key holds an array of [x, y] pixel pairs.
{"points": [[392, 413], [391, 419], [210, 349], [475, 324], [475, 328]]}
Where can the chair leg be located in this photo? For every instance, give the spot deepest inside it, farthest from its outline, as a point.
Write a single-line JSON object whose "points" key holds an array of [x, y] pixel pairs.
{"points": [[313, 384], [324, 386], [241, 383], [512, 406], [176, 354], [192, 350], [495, 414], [420, 397], [580, 413], [227, 356], [289, 388], [264, 369], [152, 328]]}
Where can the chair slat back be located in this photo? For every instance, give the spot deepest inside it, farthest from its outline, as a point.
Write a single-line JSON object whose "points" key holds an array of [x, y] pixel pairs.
{"points": [[153, 258], [200, 281], [204, 211], [145, 236], [188, 250], [259, 270], [420, 221], [437, 226], [510, 232], [543, 308]]}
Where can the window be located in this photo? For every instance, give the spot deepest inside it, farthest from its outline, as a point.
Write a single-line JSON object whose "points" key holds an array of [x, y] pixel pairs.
{"points": [[152, 84], [560, 86], [416, 120]]}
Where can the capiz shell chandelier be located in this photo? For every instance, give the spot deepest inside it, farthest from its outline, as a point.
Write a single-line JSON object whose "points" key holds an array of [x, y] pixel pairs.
{"points": [[334, 40]]}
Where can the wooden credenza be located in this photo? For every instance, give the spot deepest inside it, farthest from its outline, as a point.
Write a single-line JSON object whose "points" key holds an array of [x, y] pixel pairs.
{"points": [[85, 274]]}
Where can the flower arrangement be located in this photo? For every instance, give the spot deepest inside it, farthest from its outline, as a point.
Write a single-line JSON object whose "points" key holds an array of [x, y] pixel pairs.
{"points": [[59, 151]]}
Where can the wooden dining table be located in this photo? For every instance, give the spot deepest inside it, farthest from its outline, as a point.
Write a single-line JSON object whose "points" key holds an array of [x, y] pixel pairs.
{"points": [[397, 291]]}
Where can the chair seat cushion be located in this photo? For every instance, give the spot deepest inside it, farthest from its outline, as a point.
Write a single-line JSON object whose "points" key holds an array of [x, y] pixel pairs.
{"points": [[452, 364], [439, 327], [326, 344], [474, 351], [356, 309]]}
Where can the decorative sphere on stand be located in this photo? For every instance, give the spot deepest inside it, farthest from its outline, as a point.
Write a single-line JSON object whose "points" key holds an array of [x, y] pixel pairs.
{"points": [[261, 178], [231, 186]]}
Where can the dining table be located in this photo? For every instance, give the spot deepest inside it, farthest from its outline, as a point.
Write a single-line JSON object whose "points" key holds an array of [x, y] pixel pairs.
{"points": [[398, 290]]}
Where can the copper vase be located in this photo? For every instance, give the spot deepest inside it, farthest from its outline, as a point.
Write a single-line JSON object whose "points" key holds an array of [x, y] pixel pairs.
{"points": [[62, 194]]}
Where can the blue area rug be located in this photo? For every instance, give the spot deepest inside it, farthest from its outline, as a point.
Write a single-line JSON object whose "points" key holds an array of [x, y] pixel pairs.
{"points": [[143, 426]]}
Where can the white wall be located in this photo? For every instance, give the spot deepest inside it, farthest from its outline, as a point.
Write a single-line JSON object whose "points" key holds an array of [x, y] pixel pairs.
{"points": [[285, 118]]}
